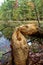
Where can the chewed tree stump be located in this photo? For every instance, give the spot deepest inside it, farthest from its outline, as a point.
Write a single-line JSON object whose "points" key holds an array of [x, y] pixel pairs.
{"points": [[19, 43]]}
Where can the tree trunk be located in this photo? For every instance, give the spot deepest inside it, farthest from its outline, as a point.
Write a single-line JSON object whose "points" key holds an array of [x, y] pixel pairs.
{"points": [[37, 13]]}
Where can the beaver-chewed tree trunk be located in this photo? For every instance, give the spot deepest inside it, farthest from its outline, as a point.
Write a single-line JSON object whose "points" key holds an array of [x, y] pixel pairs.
{"points": [[19, 45], [20, 48]]}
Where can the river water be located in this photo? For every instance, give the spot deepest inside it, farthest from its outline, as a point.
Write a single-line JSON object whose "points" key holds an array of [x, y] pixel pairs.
{"points": [[4, 44], [4, 49]]}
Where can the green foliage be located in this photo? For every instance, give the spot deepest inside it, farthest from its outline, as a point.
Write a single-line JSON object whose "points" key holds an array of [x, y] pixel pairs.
{"points": [[8, 32], [23, 11], [8, 27]]}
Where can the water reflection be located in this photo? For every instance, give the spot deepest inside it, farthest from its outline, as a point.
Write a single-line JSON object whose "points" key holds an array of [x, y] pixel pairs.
{"points": [[5, 55], [4, 43], [29, 42]]}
